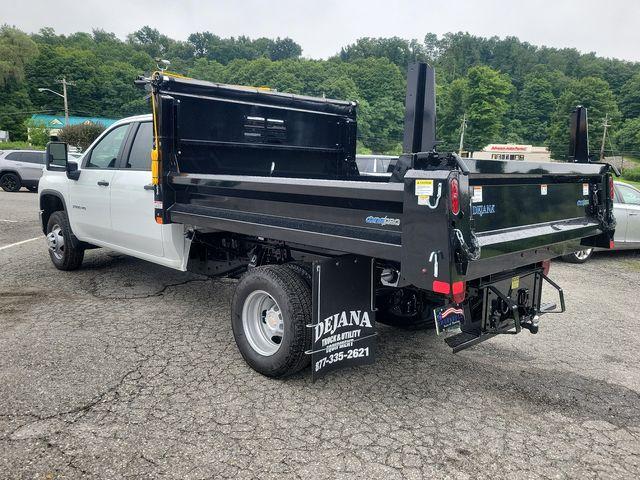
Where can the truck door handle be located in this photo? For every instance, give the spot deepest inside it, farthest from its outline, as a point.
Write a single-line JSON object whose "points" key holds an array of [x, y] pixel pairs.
{"points": [[150, 186], [102, 183]]}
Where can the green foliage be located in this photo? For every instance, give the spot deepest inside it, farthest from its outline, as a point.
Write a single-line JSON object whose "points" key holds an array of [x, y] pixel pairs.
{"points": [[481, 96], [632, 174], [81, 135], [593, 93], [397, 50], [630, 98], [486, 104], [14, 145], [38, 134], [508, 89], [627, 138], [16, 49]]}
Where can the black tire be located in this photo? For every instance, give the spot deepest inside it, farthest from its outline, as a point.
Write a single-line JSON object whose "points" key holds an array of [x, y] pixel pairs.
{"points": [[10, 182], [303, 270], [390, 313], [70, 256], [293, 297], [580, 256]]}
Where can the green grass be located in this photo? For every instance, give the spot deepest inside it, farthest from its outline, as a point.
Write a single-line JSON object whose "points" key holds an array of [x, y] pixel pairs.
{"points": [[635, 184]]}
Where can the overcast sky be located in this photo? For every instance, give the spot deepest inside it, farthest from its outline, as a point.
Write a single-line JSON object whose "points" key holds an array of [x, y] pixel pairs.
{"points": [[608, 27]]}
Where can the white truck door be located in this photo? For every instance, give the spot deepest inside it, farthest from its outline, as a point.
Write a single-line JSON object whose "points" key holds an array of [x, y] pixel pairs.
{"points": [[89, 209], [132, 210]]}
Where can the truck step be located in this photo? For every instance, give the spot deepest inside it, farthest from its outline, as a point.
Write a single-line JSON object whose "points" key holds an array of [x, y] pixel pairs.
{"points": [[548, 307], [465, 340]]}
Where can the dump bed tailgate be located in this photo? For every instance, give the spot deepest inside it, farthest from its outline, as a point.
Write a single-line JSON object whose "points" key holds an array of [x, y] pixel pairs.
{"points": [[512, 214]]}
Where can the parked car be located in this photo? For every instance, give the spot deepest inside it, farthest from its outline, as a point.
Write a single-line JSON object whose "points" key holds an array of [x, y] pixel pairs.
{"points": [[20, 168], [626, 209]]}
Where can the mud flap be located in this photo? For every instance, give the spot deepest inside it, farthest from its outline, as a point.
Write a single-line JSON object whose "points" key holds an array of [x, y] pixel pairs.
{"points": [[344, 332]]}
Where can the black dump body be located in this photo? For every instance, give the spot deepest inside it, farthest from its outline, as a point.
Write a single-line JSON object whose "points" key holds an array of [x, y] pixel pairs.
{"points": [[282, 167]]}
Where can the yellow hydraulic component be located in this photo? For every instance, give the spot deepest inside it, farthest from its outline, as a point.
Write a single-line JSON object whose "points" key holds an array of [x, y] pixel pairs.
{"points": [[155, 153]]}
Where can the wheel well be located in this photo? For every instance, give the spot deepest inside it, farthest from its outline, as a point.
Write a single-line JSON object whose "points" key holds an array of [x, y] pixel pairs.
{"points": [[48, 205]]}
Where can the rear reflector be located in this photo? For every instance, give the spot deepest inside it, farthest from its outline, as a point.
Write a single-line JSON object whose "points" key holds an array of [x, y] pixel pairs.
{"points": [[611, 244], [454, 193], [546, 266], [611, 191]]}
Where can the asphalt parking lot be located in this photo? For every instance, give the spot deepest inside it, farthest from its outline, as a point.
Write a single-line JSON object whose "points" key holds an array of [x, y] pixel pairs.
{"points": [[127, 369]]}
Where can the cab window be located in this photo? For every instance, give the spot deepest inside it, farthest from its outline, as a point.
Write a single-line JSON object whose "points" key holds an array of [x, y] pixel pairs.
{"points": [[105, 153], [140, 154]]}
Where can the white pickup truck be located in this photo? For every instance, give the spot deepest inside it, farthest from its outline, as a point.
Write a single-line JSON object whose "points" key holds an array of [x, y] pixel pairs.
{"points": [[111, 204]]}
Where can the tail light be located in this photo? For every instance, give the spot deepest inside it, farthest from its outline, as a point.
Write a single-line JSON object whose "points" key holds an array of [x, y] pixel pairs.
{"points": [[611, 191], [454, 194], [546, 266], [459, 290]]}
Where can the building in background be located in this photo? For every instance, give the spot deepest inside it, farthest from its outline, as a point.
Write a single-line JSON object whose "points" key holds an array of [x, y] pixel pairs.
{"points": [[509, 151], [55, 122]]}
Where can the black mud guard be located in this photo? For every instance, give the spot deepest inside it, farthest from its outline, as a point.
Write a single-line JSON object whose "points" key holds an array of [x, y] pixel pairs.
{"points": [[343, 328]]}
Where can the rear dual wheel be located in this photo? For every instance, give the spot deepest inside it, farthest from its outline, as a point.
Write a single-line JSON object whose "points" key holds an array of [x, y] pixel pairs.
{"points": [[270, 311]]}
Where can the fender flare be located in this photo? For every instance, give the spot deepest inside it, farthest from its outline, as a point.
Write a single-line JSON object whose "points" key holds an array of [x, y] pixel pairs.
{"points": [[53, 193]]}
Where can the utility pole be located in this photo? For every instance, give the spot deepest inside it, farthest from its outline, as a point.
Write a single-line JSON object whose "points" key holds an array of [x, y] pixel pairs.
{"points": [[462, 128], [604, 135], [63, 95], [66, 101]]}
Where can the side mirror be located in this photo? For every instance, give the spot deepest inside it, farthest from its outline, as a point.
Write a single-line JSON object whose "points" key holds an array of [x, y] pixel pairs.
{"points": [[56, 156], [72, 171]]}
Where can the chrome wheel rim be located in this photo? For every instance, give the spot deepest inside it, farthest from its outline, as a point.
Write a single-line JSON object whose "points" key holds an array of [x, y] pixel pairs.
{"points": [[55, 242], [262, 323], [583, 254]]}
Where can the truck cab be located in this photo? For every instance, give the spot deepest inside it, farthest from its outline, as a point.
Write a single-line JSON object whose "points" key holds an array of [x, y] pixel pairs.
{"points": [[110, 202]]}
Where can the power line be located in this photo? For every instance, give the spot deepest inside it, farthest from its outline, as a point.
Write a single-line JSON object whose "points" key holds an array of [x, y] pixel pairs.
{"points": [[24, 112]]}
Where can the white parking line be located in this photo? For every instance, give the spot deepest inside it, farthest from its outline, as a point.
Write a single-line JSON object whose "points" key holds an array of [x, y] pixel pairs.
{"points": [[20, 243], [8, 221]]}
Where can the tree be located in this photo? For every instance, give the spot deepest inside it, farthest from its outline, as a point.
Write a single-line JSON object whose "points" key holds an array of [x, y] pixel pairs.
{"points": [[534, 109], [81, 135], [38, 134], [380, 125], [627, 138], [630, 98], [451, 107], [590, 92], [16, 49], [399, 51], [281, 49], [485, 106]]}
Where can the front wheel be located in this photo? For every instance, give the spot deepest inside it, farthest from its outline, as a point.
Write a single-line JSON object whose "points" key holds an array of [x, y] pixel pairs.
{"points": [[270, 311], [10, 182], [65, 249], [580, 256]]}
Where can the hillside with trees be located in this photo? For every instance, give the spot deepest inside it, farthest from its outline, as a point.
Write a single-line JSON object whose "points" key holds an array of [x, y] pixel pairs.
{"points": [[506, 89]]}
